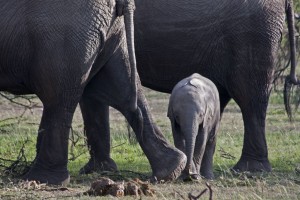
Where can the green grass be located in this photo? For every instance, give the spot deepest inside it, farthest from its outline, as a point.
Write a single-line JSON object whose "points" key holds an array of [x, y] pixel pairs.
{"points": [[283, 140]]}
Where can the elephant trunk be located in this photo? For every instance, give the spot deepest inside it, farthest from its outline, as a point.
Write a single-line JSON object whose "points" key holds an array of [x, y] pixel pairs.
{"points": [[291, 79], [190, 133], [126, 8]]}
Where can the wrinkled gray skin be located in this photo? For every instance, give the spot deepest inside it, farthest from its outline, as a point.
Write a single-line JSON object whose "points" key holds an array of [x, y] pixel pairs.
{"points": [[234, 43], [68, 49], [194, 112]]}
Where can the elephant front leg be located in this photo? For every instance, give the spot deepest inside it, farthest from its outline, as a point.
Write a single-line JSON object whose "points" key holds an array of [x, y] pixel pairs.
{"points": [[50, 165], [96, 128]]}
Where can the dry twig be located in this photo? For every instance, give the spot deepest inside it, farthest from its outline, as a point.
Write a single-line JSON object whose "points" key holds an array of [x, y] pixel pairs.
{"points": [[75, 138], [20, 166], [14, 99], [192, 197], [226, 155]]}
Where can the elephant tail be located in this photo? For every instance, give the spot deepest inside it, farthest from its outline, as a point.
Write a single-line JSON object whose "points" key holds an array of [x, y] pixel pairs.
{"points": [[126, 8], [287, 96], [291, 79]]}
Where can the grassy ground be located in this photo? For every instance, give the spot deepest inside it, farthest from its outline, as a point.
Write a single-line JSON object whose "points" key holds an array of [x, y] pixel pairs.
{"points": [[283, 139]]}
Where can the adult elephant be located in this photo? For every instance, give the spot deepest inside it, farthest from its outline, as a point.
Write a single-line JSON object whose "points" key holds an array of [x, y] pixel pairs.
{"points": [[61, 50], [234, 43]]}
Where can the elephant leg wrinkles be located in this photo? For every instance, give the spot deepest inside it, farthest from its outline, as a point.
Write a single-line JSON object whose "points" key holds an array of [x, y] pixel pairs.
{"points": [[50, 164], [254, 154], [207, 160], [149, 136], [96, 123], [252, 97]]}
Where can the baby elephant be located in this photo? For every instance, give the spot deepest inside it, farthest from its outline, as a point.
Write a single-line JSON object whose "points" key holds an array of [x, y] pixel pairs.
{"points": [[194, 112]]}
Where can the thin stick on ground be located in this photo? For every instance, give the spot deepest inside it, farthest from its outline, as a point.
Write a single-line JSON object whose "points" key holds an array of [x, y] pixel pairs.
{"points": [[192, 197]]}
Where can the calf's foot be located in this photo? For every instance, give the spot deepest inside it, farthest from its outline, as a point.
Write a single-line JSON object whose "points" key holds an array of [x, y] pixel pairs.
{"points": [[189, 177]]}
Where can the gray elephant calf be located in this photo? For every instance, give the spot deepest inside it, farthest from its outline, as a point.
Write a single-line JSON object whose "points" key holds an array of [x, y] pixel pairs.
{"points": [[194, 112]]}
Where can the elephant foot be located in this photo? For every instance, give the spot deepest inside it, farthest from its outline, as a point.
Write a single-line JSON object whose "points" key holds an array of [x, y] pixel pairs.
{"points": [[170, 167], [51, 177], [251, 165], [207, 174], [97, 166], [189, 177]]}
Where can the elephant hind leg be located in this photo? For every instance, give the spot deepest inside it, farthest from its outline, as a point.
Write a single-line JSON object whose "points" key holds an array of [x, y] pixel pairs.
{"points": [[96, 128], [200, 150], [255, 152], [111, 86], [206, 169], [251, 89]]}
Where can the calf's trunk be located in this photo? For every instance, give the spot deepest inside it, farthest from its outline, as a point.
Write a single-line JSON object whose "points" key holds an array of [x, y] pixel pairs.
{"points": [[190, 131]]}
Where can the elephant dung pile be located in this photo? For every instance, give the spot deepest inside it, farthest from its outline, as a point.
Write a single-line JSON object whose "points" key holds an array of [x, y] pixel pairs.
{"points": [[105, 186]]}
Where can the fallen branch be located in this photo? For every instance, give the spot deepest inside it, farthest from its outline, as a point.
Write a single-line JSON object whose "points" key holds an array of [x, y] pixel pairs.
{"points": [[210, 191], [179, 194], [20, 166], [192, 197]]}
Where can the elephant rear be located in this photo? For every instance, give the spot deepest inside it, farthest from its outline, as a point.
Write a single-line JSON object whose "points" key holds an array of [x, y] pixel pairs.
{"points": [[199, 92]]}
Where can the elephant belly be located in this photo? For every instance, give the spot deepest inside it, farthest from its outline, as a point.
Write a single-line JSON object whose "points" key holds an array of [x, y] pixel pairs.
{"points": [[165, 59], [178, 38], [15, 56]]}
